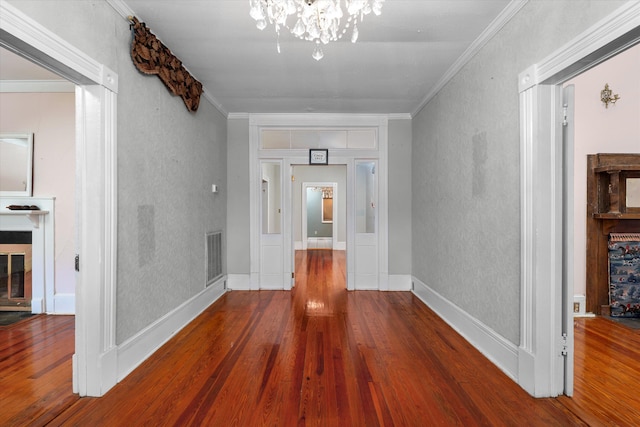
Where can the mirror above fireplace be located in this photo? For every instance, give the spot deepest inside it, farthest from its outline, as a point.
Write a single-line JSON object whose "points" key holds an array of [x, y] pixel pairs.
{"points": [[16, 164]]}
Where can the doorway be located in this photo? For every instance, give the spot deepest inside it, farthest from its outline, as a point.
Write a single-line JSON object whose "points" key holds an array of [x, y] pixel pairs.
{"points": [[546, 349], [309, 216], [319, 221], [42, 103], [319, 212], [350, 142], [95, 358]]}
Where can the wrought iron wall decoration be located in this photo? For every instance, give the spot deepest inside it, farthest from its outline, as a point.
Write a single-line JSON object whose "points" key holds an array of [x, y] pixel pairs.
{"points": [[606, 96], [151, 56]]}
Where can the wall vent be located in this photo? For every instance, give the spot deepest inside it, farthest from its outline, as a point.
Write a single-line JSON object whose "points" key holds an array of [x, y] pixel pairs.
{"points": [[213, 255]]}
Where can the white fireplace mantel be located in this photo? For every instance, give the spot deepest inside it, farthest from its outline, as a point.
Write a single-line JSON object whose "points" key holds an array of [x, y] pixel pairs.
{"points": [[34, 216], [41, 224]]}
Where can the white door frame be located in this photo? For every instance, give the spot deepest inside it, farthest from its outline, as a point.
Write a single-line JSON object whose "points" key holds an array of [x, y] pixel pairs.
{"points": [[95, 358], [541, 365], [334, 224], [300, 156]]}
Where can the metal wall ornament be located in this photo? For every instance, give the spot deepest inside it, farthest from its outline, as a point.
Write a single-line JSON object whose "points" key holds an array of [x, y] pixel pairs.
{"points": [[606, 96], [151, 56]]}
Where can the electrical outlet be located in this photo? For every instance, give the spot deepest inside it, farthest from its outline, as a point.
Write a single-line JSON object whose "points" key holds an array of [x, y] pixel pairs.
{"points": [[576, 307]]}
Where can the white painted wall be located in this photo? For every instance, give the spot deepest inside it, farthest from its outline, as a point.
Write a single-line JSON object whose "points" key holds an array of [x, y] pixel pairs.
{"points": [[602, 130], [51, 118]]}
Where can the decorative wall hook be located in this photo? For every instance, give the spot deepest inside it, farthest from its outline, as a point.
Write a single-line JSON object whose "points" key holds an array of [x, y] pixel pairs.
{"points": [[606, 97]]}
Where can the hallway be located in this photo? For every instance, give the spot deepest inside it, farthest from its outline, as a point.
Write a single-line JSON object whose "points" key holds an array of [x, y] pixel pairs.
{"points": [[318, 355]]}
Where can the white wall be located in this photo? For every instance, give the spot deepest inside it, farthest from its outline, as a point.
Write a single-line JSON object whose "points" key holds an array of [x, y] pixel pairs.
{"points": [[51, 118], [602, 130]]}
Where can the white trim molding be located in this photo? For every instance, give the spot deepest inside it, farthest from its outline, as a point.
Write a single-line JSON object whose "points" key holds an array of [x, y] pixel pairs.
{"points": [[542, 368], [95, 360], [400, 282], [492, 345], [345, 156], [64, 304], [19, 33], [501, 20], [138, 348], [42, 229], [125, 11], [621, 29], [239, 282]]}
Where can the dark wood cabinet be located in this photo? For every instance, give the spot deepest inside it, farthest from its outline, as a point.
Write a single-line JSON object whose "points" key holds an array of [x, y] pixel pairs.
{"points": [[607, 212]]}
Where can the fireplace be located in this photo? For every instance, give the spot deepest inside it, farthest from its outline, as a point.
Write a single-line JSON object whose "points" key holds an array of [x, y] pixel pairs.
{"points": [[38, 258], [15, 270], [613, 208]]}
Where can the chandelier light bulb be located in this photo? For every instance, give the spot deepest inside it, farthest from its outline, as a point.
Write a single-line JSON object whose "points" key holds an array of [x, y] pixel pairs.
{"points": [[319, 21], [317, 54]]}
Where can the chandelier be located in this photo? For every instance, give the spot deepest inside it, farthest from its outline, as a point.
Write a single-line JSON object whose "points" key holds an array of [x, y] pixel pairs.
{"points": [[316, 20]]}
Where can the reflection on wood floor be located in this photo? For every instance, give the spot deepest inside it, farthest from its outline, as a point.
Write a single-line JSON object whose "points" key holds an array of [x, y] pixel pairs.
{"points": [[318, 355]]}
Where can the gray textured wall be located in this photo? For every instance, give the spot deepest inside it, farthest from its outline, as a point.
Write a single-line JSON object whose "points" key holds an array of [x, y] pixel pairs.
{"points": [[167, 160], [238, 220], [466, 198], [400, 189]]}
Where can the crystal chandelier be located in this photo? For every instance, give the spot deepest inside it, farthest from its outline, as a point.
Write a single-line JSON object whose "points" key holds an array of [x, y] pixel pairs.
{"points": [[316, 20]]}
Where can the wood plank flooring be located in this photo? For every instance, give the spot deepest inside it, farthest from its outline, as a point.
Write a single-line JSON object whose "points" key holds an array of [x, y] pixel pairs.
{"points": [[35, 370], [317, 356]]}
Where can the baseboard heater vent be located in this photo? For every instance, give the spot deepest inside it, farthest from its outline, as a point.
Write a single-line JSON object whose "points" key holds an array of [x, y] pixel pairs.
{"points": [[213, 254]]}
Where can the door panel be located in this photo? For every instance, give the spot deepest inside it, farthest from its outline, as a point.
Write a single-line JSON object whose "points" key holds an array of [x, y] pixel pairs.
{"points": [[271, 238], [366, 224]]}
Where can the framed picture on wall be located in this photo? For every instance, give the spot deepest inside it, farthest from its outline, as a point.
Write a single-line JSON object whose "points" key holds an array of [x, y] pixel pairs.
{"points": [[318, 156]]}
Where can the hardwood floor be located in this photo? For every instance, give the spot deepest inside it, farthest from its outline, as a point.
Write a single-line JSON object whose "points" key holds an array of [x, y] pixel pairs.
{"points": [[318, 355], [35, 370]]}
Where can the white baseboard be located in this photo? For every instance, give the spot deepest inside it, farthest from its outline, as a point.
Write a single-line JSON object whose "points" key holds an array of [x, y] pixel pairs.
{"points": [[500, 351], [37, 305], [297, 246], [138, 348], [64, 304], [239, 282], [399, 282]]}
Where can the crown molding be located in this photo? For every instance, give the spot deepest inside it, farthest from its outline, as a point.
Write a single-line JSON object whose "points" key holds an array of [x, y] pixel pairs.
{"points": [[122, 8], [125, 11], [501, 20], [399, 116], [239, 116]]}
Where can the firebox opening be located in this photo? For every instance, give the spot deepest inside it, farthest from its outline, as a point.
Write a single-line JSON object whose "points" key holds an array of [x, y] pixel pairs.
{"points": [[15, 270]]}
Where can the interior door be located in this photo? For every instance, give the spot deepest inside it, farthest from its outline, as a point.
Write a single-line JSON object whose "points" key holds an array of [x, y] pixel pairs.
{"points": [[271, 238], [567, 234], [366, 225]]}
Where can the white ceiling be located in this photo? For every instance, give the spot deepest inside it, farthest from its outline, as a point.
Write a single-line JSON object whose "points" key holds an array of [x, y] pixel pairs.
{"points": [[400, 60]]}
